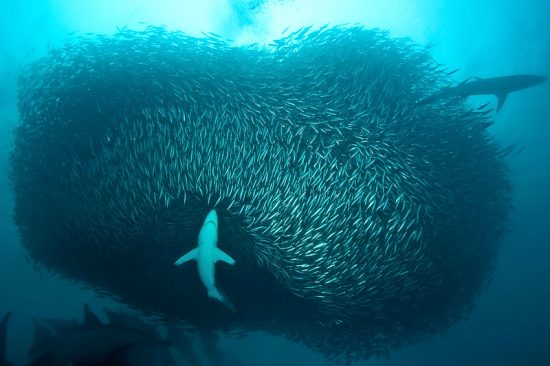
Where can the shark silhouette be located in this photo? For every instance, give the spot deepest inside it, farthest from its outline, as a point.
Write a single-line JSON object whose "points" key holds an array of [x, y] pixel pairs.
{"points": [[63, 342], [125, 340], [207, 254], [500, 86]]}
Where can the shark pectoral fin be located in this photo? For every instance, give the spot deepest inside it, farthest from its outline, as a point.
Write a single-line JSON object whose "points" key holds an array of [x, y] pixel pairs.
{"points": [[192, 254], [501, 100], [220, 255]]}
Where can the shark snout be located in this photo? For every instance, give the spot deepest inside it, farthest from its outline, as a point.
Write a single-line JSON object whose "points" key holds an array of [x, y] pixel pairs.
{"points": [[532, 80], [540, 79]]}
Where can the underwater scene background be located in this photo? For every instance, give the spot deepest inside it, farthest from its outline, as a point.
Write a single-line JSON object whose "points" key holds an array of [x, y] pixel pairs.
{"points": [[504, 322]]}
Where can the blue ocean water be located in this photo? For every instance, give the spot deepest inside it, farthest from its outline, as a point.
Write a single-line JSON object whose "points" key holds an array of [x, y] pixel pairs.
{"points": [[510, 322]]}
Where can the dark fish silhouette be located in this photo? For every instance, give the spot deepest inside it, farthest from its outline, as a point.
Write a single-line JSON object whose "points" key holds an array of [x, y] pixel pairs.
{"points": [[500, 86], [126, 340], [153, 354], [63, 343], [3, 336]]}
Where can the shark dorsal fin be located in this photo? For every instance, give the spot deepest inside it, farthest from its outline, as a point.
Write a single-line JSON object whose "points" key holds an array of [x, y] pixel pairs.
{"points": [[44, 337], [501, 100], [90, 319]]}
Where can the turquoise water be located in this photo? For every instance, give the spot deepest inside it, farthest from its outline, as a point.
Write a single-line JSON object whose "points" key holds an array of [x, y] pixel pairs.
{"points": [[509, 323]]}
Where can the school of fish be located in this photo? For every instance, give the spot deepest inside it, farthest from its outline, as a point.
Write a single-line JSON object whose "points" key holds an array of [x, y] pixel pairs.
{"points": [[358, 219]]}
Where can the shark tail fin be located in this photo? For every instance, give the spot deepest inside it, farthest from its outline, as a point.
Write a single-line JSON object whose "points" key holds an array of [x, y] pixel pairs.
{"points": [[220, 255], [192, 254], [501, 100], [214, 293]]}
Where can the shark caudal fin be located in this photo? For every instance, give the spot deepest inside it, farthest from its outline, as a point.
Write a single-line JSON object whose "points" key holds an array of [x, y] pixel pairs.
{"points": [[220, 255], [192, 254], [215, 294]]}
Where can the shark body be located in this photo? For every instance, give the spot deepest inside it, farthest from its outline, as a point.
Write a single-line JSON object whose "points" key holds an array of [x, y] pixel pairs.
{"points": [[63, 343], [207, 254], [500, 86]]}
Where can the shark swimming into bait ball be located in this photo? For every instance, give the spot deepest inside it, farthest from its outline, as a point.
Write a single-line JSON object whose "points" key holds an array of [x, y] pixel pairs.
{"points": [[207, 254], [499, 86]]}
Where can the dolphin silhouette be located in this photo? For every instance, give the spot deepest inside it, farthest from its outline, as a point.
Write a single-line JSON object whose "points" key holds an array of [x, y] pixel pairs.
{"points": [[207, 254], [500, 86]]}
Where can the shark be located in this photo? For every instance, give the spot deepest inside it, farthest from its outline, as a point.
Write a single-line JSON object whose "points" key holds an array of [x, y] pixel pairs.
{"points": [[125, 340], [3, 336], [149, 354], [63, 343], [207, 254], [499, 86]]}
